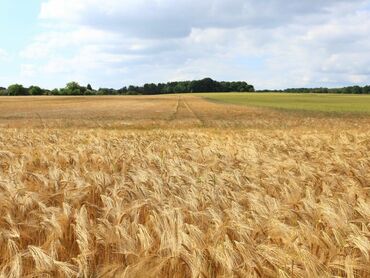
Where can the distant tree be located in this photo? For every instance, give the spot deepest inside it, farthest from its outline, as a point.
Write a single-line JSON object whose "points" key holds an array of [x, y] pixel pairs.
{"points": [[122, 91], [17, 90], [55, 92], [72, 88], [150, 89], [356, 90], [35, 91], [132, 90], [89, 92], [106, 91], [3, 91], [366, 90]]}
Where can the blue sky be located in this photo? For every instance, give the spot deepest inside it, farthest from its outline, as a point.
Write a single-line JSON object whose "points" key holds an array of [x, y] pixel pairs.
{"points": [[18, 25], [112, 43]]}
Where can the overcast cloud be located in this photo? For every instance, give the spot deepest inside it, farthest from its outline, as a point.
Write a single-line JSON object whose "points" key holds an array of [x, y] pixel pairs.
{"points": [[271, 44]]}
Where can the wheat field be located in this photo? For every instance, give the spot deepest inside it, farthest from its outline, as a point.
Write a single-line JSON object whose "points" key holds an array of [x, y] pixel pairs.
{"points": [[203, 190]]}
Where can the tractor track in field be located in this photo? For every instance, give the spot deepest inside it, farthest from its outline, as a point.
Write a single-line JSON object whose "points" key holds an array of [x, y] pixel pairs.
{"points": [[191, 111], [183, 111]]}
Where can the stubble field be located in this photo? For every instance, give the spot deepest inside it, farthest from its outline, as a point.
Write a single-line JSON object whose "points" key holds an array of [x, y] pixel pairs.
{"points": [[176, 186]]}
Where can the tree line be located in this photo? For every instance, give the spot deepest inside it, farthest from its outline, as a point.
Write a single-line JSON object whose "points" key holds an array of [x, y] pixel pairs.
{"points": [[194, 86], [343, 90]]}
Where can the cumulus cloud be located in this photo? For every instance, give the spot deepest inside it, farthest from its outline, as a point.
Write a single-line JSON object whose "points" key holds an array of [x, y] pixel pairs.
{"points": [[168, 18], [272, 43], [4, 55]]}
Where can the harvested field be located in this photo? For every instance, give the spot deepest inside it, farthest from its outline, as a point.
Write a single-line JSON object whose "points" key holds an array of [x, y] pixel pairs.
{"points": [[181, 187], [168, 111]]}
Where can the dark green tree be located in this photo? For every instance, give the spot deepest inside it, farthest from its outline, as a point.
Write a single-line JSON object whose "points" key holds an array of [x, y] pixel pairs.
{"points": [[3, 91], [35, 91], [72, 88], [17, 90]]}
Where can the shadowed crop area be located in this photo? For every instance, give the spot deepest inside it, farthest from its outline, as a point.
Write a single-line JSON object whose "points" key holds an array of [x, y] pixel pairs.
{"points": [[301, 102], [203, 190]]}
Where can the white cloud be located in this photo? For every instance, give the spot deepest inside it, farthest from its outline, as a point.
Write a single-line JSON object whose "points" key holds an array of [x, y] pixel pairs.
{"points": [[4, 55], [272, 43], [168, 18], [28, 70]]}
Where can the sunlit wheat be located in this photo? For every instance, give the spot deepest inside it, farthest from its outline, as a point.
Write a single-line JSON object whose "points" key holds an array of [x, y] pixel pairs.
{"points": [[194, 203]]}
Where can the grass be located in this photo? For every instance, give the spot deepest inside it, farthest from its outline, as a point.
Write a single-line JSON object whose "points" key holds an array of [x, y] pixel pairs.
{"points": [[198, 189], [333, 103]]}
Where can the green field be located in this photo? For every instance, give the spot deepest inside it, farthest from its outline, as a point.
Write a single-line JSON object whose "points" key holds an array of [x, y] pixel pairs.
{"points": [[333, 103]]}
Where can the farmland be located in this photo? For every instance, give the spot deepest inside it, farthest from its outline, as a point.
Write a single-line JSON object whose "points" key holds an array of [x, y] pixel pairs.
{"points": [[179, 111], [328, 103], [179, 186]]}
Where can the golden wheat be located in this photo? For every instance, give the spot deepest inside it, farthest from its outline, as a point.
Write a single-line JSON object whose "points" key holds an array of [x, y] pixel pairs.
{"points": [[187, 203]]}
